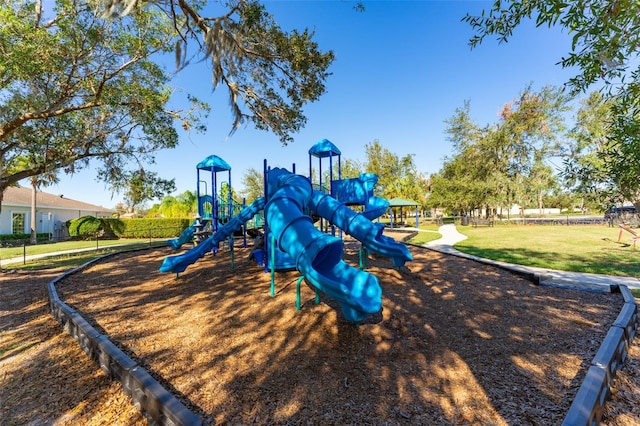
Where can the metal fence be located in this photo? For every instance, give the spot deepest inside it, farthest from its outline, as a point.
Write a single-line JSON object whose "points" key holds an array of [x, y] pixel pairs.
{"points": [[17, 252], [632, 220]]}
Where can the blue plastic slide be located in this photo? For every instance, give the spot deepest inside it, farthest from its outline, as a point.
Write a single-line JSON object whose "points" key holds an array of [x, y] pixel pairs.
{"points": [[318, 256], [360, 191], [179, 263], [360, 227], [185, 237]]}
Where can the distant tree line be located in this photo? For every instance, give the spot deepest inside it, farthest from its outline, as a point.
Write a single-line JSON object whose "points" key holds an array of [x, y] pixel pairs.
{"points": [[506, 163], [601, 153]]}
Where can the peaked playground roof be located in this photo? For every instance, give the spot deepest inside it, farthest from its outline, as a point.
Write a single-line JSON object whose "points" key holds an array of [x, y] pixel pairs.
{"points": [[324, 148], [399, 202]]}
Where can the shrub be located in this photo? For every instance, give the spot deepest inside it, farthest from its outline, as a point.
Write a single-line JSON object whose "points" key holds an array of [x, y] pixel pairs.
{"points": [[84, 227], [89, 227], [153, 227], [14, 240]]}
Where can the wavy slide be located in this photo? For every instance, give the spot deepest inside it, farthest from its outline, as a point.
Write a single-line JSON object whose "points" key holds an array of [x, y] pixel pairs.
{"points": [[179, 263], [360, 227]]}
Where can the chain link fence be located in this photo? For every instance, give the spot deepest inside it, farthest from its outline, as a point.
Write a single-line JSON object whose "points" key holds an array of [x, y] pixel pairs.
{"points": [[49, 249]]}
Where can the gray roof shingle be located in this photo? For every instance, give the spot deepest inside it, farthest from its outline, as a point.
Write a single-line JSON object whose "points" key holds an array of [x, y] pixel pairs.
{"points": [[21, 196]]}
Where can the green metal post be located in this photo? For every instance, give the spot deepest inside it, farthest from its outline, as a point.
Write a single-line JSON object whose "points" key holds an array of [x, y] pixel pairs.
{"points": [[273, 264], [363, 257], [233, 264], [298, 293]]}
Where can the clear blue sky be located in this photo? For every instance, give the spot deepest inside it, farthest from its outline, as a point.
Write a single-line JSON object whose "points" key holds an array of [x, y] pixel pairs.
{"points": [[401, 69]]}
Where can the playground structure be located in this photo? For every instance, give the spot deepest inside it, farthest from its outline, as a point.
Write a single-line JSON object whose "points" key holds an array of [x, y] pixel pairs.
{"points": [[292, 240], [213, 210]]}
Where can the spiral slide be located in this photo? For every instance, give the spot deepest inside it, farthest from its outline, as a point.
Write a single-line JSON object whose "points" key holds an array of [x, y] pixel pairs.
{"points": [[179, 263], [318, 256]]}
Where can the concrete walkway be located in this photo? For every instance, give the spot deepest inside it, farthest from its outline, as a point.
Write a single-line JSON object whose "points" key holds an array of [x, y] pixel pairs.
{"points": [[21, 259], [584, 281]]}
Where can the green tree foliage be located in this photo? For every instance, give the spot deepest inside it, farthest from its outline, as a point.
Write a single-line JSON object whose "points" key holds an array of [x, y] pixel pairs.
{"points": [[253, 183], [140, 186], [605, 36], [397, 176], [75, 87], [455, 187], [223, 196], [181, 206], [269, 74], [599, 159], [622, 153], [589, 169], [504, 163], [348, 169], [605, 47]]}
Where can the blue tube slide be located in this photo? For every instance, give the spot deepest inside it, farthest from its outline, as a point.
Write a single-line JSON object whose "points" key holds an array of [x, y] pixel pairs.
{"points": [[179, 263], [318, 256], [360, 227], [185, 237]]}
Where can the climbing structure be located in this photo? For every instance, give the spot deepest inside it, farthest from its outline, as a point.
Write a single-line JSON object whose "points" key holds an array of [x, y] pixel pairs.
{"points": [[292, 240]]}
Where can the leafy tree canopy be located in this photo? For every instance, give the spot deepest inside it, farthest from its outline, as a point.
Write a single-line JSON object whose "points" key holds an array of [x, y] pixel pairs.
{"points": [[605, 36], [253, 183], [140, 186], [397, 176], [605, 47], [75, 87], [504, 162], [269, 74], [181, 206]]}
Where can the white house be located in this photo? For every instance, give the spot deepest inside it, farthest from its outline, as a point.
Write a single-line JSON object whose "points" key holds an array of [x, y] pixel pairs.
{"points": [[52, 211]]}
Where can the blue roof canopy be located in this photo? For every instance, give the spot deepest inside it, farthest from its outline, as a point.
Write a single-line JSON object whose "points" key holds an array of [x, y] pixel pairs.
{"points": [[324, 148], [213, 163]]}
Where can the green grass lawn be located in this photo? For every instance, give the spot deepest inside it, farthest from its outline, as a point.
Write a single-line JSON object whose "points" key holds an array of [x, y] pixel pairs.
{"points": [[92, 248], [8, 252], [588, 248], [430, 234]]}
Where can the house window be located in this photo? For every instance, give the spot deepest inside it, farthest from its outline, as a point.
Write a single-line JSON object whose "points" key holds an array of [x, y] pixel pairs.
{"points": [[17, 222]]}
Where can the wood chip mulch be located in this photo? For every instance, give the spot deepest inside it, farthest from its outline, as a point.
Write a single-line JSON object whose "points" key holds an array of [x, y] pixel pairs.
{"points": [[456, 343]]}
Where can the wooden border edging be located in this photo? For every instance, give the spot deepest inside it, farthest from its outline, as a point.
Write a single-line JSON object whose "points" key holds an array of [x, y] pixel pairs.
{"points": [[147, 394], [588, 405]]}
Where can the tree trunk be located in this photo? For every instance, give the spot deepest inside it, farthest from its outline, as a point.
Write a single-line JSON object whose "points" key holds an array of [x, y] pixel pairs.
{"points": [[33, 237], [540, 203]]}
